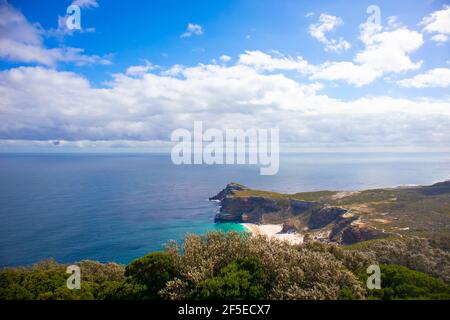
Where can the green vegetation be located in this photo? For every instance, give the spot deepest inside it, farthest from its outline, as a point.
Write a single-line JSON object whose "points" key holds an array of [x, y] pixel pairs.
{"points": [[399, 282], [46, 280], [305, 196], [235, 266]]}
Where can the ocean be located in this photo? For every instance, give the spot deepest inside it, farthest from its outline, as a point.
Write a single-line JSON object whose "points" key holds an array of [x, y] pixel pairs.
{"points": [[117, 207]]}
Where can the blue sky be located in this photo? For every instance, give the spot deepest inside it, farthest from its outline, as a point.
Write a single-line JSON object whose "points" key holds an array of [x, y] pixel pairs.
{"points": [[299, 60]]}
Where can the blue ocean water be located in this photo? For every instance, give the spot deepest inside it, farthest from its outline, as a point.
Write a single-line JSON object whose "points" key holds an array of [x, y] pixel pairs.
{"points": [[117, 207]]}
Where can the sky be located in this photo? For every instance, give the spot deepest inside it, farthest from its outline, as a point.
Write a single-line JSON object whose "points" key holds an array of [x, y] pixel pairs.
{"points": [[331, 75]]}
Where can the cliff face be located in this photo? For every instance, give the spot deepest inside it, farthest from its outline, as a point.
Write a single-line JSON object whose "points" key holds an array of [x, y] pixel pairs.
{"points": [[248, 209], [343, 217], [323, 216]]}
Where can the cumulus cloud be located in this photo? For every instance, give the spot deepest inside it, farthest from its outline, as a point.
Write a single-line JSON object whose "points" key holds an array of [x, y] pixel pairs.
{"points": [[438, 24], [326, 24], [438, 77], [21, 41], [386, 50], [192, 30], [41, 104]]}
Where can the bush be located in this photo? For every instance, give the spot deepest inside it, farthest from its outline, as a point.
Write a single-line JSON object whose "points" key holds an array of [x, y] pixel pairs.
{"points": [[152, 271], [241, 279]]}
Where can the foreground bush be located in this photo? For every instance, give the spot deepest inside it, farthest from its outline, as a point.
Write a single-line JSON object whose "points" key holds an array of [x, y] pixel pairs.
{"points": [[294, 272]]}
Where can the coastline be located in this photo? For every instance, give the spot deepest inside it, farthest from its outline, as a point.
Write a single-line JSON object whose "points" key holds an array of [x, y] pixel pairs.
{"points": [[272, 231]]}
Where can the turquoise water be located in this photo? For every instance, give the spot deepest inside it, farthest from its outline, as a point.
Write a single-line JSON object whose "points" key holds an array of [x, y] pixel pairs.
{"points": [[118, 207]]}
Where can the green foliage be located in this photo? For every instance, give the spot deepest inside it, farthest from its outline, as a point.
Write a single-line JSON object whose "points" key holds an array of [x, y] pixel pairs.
{"points": [[241, 279], [236, 266], [152, 271], [398, 282]]}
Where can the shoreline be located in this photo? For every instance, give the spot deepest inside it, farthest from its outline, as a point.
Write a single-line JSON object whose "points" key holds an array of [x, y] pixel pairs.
{"points": [[272, 231]]}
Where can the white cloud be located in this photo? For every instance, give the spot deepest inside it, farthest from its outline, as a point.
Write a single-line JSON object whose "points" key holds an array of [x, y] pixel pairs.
{"points": [[440, 38], [347, 71], [43, 104], [21, 41], [139, 69], [192, 29], [225, 58], [388, 51], [438, 77], [438, 23], [393, 22], [86, 3], [265, 62], [385, 51], [326, 24]]}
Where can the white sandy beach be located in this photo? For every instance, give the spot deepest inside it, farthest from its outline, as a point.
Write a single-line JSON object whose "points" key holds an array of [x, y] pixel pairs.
{"points": [[273, 231]]}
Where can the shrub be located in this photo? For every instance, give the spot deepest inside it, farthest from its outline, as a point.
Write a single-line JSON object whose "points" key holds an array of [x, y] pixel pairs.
{"points": [[241, 279], [152, 271]]}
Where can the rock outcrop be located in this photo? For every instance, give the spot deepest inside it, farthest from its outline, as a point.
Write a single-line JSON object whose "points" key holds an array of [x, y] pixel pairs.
{"points": [[324, 216], [236, 208], [246, 209], [289, 227], [357, 233]]}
